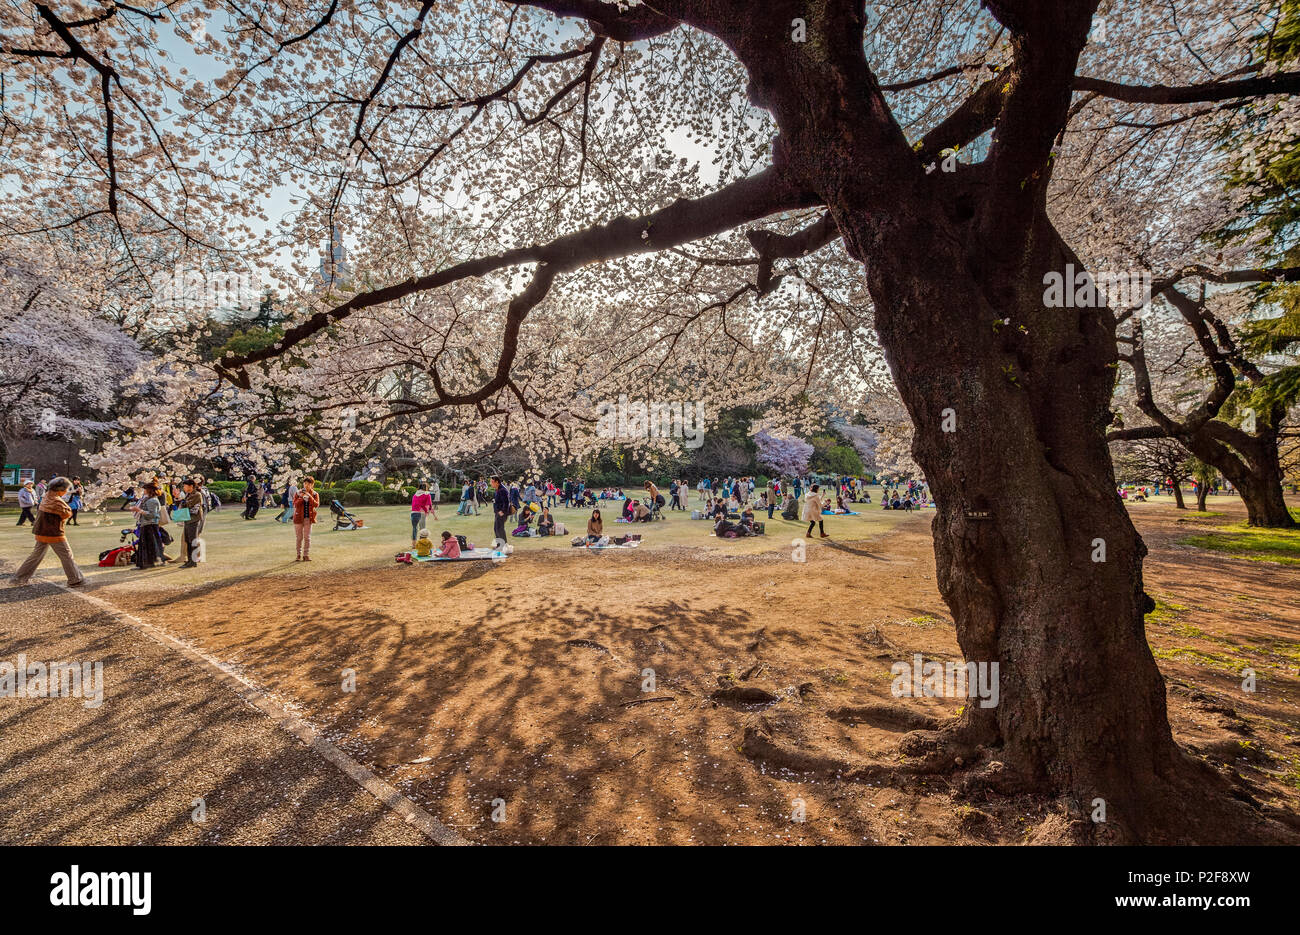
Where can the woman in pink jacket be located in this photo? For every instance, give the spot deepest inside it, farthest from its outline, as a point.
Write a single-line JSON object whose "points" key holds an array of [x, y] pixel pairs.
{"points": [[421, 507]]}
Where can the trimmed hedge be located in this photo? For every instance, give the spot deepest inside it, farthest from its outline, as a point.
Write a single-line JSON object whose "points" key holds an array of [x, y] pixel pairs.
{"points": [[394, 497], [364, 486], [352, 498], [372, 497]]}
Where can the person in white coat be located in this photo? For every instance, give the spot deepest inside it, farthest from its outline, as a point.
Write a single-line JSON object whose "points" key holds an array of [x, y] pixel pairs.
{"points": [[27, 501], [812, 511]]}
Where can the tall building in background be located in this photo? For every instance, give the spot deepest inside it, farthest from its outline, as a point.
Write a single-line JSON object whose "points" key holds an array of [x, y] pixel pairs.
{"points": [[334, 268]]}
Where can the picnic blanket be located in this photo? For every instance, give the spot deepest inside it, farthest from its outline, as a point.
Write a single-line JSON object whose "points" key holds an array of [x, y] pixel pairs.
{"points": [[838, 513], [467, 556], [596, 548]]}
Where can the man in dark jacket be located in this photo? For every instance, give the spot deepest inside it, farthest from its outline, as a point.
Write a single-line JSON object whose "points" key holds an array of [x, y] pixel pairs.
{"points": [[500, 510], [252, 498], [194, 525]]}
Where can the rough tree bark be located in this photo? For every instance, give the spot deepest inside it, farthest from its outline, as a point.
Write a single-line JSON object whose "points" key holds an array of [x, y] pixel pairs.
{"points": [[1024, 485]]}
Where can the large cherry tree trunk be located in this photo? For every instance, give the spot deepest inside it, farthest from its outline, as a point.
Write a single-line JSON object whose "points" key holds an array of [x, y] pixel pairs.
{"points": [[1036, 555], [955, 265], [1026, 494], [1251, 462]]}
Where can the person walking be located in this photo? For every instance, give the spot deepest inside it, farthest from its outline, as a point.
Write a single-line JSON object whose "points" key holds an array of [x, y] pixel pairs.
{"points": [[812, 512], [74, 501], [27, 501], [51, 515], [421, 505], [500, 510], [435, 496], [305, 502], [252, 497], [191, 510], [290, 491]]}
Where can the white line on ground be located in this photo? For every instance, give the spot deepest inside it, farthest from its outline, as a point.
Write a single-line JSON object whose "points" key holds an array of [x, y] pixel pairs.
{"points": [[433, 829]]}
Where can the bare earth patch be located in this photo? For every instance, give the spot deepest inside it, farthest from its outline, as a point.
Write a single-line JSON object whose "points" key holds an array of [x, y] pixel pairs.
{"points": [[680, 695]]}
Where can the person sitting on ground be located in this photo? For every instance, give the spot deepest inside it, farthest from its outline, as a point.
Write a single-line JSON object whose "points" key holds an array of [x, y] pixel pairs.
{"points": [[424, 545], [595, 526], [747, 521], [525, 518], [719, 510], [450, 547], [641, 513], [546, 524]]}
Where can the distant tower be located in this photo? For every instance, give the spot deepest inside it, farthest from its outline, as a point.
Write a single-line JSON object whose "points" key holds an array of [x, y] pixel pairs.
{"points": [[334, 268]]}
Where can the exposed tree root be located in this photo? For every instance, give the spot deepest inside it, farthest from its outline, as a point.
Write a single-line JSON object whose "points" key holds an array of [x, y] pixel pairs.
{"points": [[884, 716], [1191, 802], [591, 644], [744, 694]]}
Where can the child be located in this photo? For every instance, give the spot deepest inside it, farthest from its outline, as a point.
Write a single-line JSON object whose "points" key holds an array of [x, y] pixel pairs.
{"points": [[424, 545], [450, 547]]}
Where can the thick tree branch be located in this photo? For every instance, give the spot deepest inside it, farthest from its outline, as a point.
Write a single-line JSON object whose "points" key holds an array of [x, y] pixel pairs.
{"points": [[1282, 83], [744, 200]]}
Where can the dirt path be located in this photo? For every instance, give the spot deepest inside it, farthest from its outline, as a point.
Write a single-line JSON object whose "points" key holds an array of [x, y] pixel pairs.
{"points": [[167, 733], [568, 697]]}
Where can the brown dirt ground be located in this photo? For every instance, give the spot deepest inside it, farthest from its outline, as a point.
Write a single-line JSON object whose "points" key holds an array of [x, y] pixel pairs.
{"points": [[467, 690]]}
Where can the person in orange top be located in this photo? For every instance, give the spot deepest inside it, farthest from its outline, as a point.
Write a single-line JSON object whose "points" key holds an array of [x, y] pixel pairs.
{"points": [[305, 502], [51, 514]]}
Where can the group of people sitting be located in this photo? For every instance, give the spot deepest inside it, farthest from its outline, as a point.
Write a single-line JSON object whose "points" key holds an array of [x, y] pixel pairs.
{"points": [[545, 522], [906, 502], [450, 546], [730, 518]]}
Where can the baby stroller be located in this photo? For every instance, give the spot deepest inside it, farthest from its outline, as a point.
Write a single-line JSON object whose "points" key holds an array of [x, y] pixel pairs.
{"points": [[122, 554], [342, 518]]}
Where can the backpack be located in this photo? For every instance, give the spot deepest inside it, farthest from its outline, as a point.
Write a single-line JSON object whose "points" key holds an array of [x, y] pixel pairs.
{"points": [[464, 543]]}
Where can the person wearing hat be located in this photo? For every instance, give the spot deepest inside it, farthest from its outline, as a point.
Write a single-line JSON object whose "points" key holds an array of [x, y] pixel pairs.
{"points": [[27, 500], [193, 528], [51, 515]]}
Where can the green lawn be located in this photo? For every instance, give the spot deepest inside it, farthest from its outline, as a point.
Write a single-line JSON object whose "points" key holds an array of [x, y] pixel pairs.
{"points": [[239, 547], [1250, 542]]}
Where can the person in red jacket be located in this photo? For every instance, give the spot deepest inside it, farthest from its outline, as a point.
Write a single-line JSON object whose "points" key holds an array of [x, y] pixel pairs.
{"points": [[51, 515], [305, 503]]}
